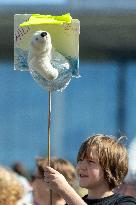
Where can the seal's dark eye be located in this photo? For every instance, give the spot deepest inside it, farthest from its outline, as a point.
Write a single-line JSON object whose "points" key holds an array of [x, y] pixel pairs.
{"points": [[36, 39]]}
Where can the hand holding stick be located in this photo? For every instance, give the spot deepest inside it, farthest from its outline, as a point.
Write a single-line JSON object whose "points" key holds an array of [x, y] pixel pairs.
{"points": [[57, 182]]}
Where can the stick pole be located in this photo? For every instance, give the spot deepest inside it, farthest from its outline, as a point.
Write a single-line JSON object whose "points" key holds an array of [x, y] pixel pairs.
{"points": [[49, 127], [49, 136]]}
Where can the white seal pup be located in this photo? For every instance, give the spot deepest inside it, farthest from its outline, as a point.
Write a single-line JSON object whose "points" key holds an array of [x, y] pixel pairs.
{"points": [[39, 55]]}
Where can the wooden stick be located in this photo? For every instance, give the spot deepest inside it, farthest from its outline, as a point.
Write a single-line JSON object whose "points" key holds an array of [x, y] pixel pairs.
{"points": [[49, 127], [49, 137]]}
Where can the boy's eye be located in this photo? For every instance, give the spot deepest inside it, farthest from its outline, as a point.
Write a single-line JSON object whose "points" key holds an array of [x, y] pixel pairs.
{"points": [[91, 161]]}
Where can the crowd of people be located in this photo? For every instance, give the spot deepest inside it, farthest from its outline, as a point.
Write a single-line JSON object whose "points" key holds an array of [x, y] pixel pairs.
{"points": [[102, 167]]}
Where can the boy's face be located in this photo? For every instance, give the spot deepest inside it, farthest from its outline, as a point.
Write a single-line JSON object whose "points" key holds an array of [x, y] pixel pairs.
{"points": [[89, 171]]}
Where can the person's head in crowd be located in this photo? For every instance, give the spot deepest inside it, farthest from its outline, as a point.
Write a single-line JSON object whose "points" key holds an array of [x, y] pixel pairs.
{"points": [[20, 169], [41, 192], [11, 191]]}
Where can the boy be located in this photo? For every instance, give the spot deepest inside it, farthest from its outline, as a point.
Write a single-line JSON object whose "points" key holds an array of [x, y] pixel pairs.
{"points": [[102, 164]]}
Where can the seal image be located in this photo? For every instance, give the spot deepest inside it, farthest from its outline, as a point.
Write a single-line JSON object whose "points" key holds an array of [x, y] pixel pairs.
{"points": [[39, 55]]}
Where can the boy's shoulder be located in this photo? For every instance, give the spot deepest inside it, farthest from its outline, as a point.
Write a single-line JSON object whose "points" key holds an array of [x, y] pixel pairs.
{"points": [[115, 199]]}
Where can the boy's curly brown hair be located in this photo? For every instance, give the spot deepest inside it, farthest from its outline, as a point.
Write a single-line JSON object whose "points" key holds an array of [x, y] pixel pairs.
{"points": [[112, 156]]}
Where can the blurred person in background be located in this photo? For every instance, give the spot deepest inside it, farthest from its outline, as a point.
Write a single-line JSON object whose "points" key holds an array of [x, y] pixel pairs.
{"points": [[20, 169], [128, 188], [23, 176], [11, 190], [27, 198], [41, 191]]}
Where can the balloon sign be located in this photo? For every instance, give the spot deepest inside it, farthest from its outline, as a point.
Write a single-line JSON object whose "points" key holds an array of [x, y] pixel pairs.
{"points": [[48, 47]]}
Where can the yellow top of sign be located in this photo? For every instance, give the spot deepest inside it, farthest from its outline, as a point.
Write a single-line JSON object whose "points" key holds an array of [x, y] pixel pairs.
{"points": [[37, 19]]}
